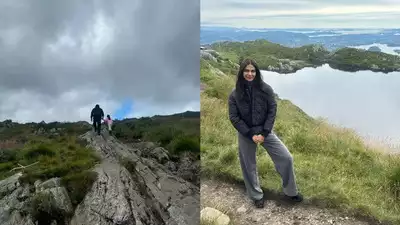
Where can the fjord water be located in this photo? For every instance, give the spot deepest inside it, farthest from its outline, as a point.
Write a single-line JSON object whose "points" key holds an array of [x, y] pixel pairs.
{"points": [[365, 101]]}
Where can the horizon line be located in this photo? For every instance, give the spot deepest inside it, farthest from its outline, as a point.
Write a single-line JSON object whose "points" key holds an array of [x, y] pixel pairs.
{"points": [[360, 28], [77, 121]]}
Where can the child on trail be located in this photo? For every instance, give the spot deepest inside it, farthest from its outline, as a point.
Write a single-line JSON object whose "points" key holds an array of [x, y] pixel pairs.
{"points": [[108, 121]]}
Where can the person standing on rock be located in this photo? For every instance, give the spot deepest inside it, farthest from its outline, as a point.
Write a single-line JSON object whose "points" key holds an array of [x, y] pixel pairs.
{"points": [[96, 116], [108, 121], [252, 112]]}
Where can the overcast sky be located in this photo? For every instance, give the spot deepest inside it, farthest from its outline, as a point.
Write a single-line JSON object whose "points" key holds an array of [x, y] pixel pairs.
{"points": [[301, 13], [134, 58]]}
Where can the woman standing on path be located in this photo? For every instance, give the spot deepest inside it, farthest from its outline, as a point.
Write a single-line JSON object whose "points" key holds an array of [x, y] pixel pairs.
{"points": [[252, 111], [108, 121]]}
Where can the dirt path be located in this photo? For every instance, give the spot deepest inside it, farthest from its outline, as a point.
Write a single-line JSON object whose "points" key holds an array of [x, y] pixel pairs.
{"points": [[231, 197]]}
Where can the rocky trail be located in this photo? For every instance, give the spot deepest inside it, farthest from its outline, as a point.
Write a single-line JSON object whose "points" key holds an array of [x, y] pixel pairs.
{"points": [[231, 199], [136, 184]]}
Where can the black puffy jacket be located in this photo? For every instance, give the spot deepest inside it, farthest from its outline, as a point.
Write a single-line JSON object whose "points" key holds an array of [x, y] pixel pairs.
{"points": [[255, 114]]}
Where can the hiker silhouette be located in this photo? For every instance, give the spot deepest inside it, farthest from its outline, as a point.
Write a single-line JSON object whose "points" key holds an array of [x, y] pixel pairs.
{"points": [[96, 116]]}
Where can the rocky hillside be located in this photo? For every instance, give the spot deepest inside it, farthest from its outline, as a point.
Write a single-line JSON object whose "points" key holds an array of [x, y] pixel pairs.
{"points": [[281, 59], [77, 177]]}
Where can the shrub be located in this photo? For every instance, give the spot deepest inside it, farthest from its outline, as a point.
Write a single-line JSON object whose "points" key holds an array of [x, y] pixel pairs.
{"points": [[7, 155], [78, 185], [43, 210], [184, 144]]}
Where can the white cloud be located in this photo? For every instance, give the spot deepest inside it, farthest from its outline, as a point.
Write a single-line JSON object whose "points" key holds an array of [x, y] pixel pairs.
{"points": [[294, 14], [60, 58]]}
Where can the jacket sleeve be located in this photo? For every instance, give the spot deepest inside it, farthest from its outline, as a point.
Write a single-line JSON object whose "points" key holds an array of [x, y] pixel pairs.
{"points": [[271, 113], [102, 113], [91, 114], [234, 117]]}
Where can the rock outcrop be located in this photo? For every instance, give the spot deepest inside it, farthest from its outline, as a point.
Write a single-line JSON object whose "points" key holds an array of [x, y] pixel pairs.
{"points": [[129, 189]]}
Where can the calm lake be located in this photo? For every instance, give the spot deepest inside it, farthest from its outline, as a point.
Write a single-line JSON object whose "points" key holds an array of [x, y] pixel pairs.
{"points": [[366, 101]]}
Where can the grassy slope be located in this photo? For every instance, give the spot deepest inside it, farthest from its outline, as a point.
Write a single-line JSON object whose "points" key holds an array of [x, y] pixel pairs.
{"points": [[67, 157], [270, 54], [62, 156], [177, 133], [332, 165]]}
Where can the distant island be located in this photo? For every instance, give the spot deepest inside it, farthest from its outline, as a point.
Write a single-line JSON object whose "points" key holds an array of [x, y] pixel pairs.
{"points": [[374, 49], [281, 59]]}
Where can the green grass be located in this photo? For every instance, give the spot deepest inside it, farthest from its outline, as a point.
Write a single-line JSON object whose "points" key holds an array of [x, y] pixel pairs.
{"points": [[332, 164], [351, 59], [177, 133], [63, 157], [270, 54]]}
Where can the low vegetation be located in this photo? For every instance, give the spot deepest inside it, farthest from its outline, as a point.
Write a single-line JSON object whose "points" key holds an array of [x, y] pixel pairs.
{"points": [[177, 133], [55, 150], [333, 166], [351, 59], [271, 56], [63, 157]]}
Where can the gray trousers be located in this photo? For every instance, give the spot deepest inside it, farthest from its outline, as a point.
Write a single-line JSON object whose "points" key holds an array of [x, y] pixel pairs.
{"points": [[279, 154]]}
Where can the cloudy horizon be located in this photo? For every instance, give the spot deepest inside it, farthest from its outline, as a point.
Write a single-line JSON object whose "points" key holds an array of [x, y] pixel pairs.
{"points": [[370, 14], [134, 59]]}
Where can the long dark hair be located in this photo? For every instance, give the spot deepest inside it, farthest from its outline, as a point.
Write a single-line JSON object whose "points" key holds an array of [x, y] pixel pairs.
{"points": [[240, 83]]}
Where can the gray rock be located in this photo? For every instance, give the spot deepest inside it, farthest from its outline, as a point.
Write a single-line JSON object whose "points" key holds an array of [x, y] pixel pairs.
{"points": [[25, 193], [61, 199], [8, 185], [129, 189], [146, 194], [150, 150], [37, 183], [189, 169], [210, 54], [214, 216], [12, 205], [51, 183]]}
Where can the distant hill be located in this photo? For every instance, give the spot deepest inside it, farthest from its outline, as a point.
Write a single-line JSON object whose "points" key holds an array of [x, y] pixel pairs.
{"points": [[281, 59], [331, 39]]}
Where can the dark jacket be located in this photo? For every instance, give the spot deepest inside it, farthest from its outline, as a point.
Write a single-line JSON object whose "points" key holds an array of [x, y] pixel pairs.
{"points": [[255, 114], [97, 114]]}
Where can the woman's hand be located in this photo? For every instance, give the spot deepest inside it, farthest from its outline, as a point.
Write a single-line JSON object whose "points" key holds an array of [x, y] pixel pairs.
{"points": [[261, 138], [258, 138]]}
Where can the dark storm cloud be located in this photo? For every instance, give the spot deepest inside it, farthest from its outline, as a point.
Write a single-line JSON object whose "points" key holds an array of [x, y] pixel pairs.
{"points": [[144, 50]]}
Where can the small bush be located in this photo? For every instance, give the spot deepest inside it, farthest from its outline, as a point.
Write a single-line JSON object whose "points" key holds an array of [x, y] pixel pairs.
{"points": [[43, 209], [7, 155], [185, 144], [78, 185], [39, 150]]}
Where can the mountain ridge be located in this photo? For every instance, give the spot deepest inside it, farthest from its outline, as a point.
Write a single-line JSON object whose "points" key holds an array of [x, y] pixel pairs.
{"points": [[278, 58]]}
